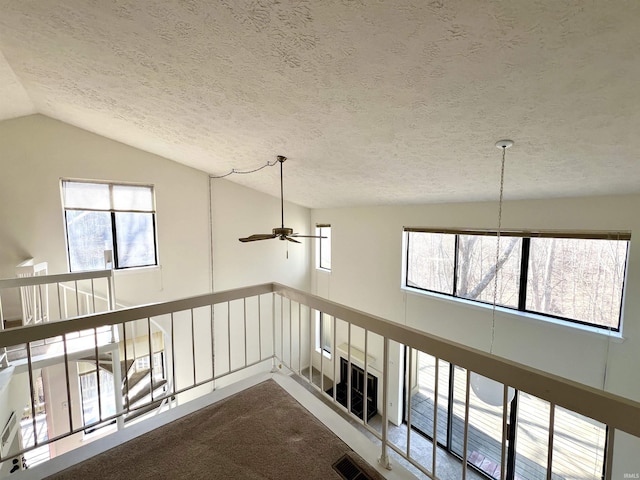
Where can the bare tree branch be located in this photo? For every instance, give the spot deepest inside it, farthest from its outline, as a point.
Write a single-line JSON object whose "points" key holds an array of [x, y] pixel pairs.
{"points": [[488, 277]]}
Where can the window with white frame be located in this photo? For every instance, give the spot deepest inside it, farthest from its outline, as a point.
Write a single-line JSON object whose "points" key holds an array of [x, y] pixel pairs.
{"points": [[98, 402], [323, 247], [577, 277], [108, 216], [323, 333]]}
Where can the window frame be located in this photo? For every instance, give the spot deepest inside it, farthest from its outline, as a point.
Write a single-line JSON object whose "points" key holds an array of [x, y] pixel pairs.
{"points": [[525, 254], [112, 215], [321, 321], [320, 241], [98, 372]]}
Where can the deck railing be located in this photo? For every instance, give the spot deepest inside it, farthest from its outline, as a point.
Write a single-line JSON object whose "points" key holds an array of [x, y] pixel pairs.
{"points": [[215, 335]]}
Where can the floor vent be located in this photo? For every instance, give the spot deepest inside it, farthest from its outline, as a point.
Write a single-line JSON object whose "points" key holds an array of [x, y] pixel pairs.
{"points": [[349, 470]]}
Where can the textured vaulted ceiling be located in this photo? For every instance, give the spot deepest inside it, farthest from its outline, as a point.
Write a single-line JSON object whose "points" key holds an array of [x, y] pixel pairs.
{"points": [[374, 102]]}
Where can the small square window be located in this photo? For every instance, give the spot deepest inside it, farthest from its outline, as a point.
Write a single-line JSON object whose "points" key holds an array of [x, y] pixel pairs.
{"points": [[105, 216]]}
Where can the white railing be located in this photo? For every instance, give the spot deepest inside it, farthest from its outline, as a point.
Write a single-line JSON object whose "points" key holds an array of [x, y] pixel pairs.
{"points": [[366, 335], [34, 303], [34, 291], [59, 296], [213, 336], [194, 358]]}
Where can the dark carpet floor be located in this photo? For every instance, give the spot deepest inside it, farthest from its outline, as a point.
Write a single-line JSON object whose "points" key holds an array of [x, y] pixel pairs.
{"points": [[260, 433]]}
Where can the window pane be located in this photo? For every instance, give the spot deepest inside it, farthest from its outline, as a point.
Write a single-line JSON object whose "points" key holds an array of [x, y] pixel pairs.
{"points": [[86, 195], [484, 435], [430, 258], [577, 279], [477, 269], [423, 396], [324, 328], [325, 247], [532, 438], [132, 197], [578, 446], [135, 239], [89, 393], [89, 235]]}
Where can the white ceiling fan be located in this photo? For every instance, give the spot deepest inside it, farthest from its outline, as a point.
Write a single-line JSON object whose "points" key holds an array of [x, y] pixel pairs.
{"points": [[282, 232]]}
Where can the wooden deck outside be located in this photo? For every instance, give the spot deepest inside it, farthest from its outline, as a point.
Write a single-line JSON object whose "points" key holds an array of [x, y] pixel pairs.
{"points": [[578, 441]]}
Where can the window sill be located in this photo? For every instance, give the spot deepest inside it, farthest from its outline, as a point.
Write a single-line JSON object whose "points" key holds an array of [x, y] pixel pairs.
{"points": [[326, 354], [615, 337], [323, 270], [137, 270]]}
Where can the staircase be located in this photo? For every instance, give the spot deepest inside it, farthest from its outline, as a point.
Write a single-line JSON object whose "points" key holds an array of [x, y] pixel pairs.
{"points": [[139, 382]]}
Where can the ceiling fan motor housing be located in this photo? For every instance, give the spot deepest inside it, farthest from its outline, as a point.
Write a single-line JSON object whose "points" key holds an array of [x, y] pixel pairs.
{"points": [[282, 232]]}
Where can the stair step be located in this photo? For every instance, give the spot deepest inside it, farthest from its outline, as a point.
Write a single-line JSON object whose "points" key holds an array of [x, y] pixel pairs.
{"points": [[142, 410], [104, 361], [124, 368], [13, 323], [19, 352], [135, 378], [104, 358], [144, 393]]}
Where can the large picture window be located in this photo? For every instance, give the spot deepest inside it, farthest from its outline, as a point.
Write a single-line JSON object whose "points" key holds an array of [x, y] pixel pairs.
{"points": [[107, 216], [574, 277]]}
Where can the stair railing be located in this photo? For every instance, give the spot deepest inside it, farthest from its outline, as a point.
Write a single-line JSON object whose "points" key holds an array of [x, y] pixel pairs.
{"points": [[34, 303]]}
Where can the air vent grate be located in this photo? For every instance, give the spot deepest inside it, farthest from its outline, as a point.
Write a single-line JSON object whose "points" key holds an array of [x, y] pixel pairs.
{"points": [[349, 470]]}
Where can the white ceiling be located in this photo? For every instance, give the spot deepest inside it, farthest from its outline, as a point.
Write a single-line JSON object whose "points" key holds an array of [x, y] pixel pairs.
{"points": [[374, 102]]}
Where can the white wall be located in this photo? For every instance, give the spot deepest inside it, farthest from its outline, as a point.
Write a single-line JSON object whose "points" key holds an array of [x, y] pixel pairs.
{"points": [[367, 266], [239, 212], [36, 151]]}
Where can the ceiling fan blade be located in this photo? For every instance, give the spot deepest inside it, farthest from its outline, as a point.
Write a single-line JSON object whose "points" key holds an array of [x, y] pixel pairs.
{"points": [[292, 240], [306, 236], [256, 237]]}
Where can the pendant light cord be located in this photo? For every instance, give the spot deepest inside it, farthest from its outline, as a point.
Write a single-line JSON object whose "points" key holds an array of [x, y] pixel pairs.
{"points": [[244, 172], [495, 276]]}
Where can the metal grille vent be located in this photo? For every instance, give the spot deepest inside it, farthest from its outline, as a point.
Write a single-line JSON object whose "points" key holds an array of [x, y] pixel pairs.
{"points": [[349, 470]]}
